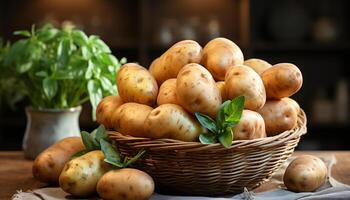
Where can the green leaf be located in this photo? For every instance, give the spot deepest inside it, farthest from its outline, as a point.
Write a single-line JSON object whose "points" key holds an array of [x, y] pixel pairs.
{"points": [[22, 33], [63, 51], [88, 141], [41, 73], [233, 111], [46, 34], [50, 87], [135, 158], [22, 68], [95, 94], [226, 138], [112, 155], [206, 138], [102, 46], [220, 115], [206, 122], [106, 84], [80, 37], [89, 70], [101, 133]]}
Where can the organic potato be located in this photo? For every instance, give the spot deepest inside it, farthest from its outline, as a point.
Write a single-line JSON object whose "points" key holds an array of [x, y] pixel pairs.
{"points": [[172, 121], [136, 84], [243, 80], [221, 86], [293, 103], [105, 109], [258, 65], [167, 92], [80, 175], [126, 184], [48, 165], [279, 116], [174, 59], [196, 90], [251, 126], [305, 174], [129, 119], [220, 54], [282, 80]]}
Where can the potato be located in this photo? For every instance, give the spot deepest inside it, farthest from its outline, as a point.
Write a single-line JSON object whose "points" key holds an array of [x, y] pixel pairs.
{"points": [[282, 80], [105, 109], [243, 80], [136, 84], [127, 184], [251, 126], [48, 165], [129, 119], [172, 121], [220, 54], [167, 92], [258, 65], [221, 86], [174, 59], [80, 175], [305, 174], [293, 103], [196, 90], [279, 116]]}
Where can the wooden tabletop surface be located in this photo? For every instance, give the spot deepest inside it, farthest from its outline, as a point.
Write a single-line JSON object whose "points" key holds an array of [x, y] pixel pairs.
{"points": [[15, 171]]}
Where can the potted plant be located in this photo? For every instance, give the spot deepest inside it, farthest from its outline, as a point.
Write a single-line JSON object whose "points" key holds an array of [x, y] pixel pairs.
{"points": [[59, 70]]}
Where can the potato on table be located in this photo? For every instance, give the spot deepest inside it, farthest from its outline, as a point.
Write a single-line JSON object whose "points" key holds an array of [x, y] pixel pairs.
{"points": [[251, 126], [258, 65], [105, 109], [167, 92]]}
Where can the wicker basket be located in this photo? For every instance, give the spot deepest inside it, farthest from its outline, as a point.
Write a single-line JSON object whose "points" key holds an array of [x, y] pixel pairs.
{"points": [[192, 168]]}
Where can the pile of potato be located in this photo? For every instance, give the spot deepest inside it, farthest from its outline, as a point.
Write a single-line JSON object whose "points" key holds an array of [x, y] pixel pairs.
{"points": [[161, 102]]}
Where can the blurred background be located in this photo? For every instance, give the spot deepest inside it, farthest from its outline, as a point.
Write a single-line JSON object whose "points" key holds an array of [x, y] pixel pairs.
{"points": [[313, 34]]}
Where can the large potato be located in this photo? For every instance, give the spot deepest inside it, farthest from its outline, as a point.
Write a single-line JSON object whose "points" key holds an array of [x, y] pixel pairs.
{"points": [[174, 59], [105, 109], [220, 54], [293, 103], [282, 80], [279, 116], [305, 174], [196, 90], [126, 184], [136, 84], [80, 175], [167, 92], [129, 119], [172, 121], [221, 86], [48, 165], [258, 65], [251, 126], [242, 80]]}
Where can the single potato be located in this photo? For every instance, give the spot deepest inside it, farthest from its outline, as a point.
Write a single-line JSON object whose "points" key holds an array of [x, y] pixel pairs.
{"points": [[126, 184], [293, 103], [243, 80], [251, 126], [136, 84], [172, 121], [48, 165], [219, 55], [105, 109], [129, 119], [167, 92], [279, 116], [221, 86], [282, 80], [258, 65], [80, 175], [196, 90], [305, 174]]}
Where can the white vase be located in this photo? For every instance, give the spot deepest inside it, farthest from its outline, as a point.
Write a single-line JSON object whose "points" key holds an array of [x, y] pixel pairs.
{"points": [[47, 126]]}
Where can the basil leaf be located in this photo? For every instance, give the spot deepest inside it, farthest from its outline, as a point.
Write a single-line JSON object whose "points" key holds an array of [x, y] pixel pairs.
{"points": [[101, 133], [135, 158], [95, 94], [206, 122], [80, 37], [226, 138], [206, 138], [88, 73], [88, 142], [22, 68], [50, 87], [41, 74], [47, 34], [233, 111], [112, 156], [220, 115], [22, 33]]}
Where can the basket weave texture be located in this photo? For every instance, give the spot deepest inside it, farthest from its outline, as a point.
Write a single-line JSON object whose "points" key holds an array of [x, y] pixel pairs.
{"points": [[192, 168]]}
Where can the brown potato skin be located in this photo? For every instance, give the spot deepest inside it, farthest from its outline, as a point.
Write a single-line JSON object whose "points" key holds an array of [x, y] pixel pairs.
{"points": [[305, 174], [129, 119], [196, 90], [105, 109], [282, 80], [126, 184], [48, 165], [167, 92], [219, 54], [251, 126], [136, 84], [242, 80], [279, 116], [293, 103], [221, 86], [257, 64]]}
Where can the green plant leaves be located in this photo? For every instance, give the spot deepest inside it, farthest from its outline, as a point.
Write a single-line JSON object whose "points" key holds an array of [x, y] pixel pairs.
{"points": [[206, 122], [50, 87], [226, 137], [112, 156], [206, 138], [95, 94], [233, 111]]}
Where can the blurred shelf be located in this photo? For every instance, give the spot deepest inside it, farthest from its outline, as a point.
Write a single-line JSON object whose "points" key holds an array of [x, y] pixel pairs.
{"points": [[300, 47]]}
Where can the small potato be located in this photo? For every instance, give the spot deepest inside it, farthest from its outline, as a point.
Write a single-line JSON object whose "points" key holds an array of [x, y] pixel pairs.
{"points": [[172, 121], [80, 175], [167, 92], [48, 165], [251, 126], [196, 90], [126, 184], [282, 80], [242, 80], [219, 55], [221, 86], [105, 109], [305, 174], [279, 116], [258, 65], [136, 84], [129, 119], [293, 103]]}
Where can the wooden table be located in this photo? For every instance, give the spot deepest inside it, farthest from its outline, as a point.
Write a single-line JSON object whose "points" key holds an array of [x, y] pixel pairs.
{"points": [[15, 171]]}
